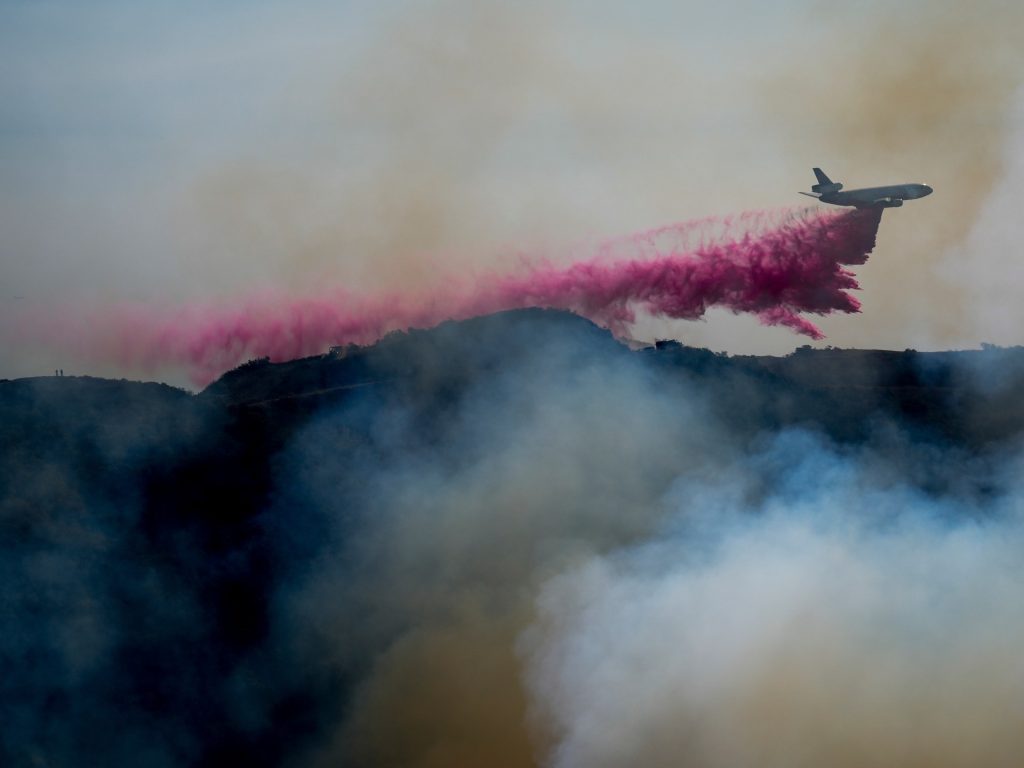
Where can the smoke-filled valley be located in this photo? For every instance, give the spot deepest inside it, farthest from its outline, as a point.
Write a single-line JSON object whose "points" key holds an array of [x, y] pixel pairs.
{"points": [[513, 541]]}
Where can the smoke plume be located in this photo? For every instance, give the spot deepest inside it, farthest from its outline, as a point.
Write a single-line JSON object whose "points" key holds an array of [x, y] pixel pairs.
{"points": [[591, 569], [836, 621], [773, 265]]}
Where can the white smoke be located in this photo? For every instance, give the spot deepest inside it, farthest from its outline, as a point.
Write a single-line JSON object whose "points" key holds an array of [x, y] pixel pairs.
{"points": [[839, 621]]}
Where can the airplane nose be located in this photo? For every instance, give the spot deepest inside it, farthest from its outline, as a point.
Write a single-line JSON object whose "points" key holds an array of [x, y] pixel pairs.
{"points": [[926, 190]]}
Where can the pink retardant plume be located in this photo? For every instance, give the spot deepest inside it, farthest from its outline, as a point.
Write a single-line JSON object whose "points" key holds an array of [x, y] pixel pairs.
{"points": [[793, 265]]}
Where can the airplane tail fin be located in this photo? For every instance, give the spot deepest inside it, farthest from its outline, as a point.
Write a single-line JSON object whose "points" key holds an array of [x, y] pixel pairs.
{"points": [[825, 184]]}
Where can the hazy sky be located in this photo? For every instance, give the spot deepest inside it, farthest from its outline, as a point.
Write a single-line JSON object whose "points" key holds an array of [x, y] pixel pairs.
{"points": [[168, 152]]}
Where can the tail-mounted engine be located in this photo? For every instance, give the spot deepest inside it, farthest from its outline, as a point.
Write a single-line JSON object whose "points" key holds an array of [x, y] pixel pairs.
{"points": [[825, 189]]}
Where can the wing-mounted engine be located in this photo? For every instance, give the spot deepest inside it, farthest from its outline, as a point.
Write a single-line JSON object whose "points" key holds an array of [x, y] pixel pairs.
{"points": [[883, 202], [824, 189]]}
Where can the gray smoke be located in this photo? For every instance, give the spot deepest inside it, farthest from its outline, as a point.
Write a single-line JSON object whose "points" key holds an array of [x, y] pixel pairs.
{"points": [[831, 618], [588, 569]]}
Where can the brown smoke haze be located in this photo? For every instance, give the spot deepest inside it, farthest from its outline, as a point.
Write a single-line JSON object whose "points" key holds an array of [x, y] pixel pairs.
{"points": [[418, 141], [497, 128], [988, 265], [924, 91]]}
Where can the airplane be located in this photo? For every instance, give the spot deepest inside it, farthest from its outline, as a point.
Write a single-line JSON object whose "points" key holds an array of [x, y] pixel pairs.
{"points": [[828, 191]]}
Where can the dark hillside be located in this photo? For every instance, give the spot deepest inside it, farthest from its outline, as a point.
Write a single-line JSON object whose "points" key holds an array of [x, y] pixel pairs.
{"points": [[145, 531]]}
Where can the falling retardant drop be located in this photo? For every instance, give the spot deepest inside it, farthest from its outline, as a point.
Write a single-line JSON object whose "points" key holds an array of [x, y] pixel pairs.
{"points": [[776, 265]]}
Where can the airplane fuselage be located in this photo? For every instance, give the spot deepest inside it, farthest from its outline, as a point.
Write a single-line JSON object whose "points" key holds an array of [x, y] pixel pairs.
{"points": [[877, 197], [891, 196]]}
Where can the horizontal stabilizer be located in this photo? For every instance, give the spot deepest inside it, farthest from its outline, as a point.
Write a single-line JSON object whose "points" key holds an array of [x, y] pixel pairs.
{"points": [[810, 194]]}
